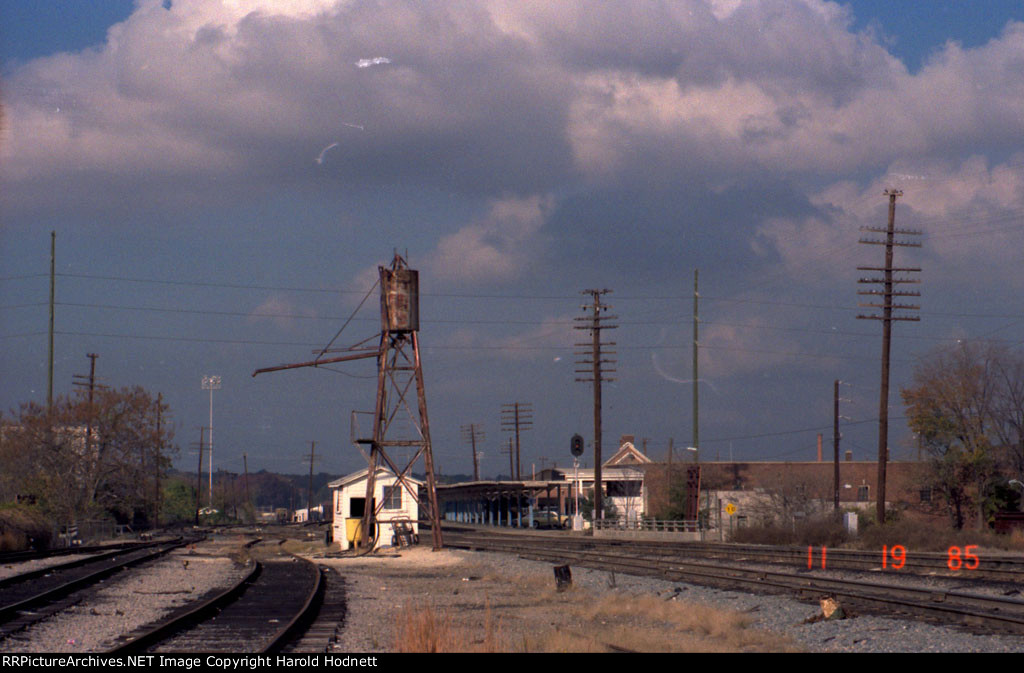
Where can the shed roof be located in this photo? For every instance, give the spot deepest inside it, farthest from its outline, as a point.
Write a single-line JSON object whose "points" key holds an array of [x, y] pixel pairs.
{"points": [[356, 477]]}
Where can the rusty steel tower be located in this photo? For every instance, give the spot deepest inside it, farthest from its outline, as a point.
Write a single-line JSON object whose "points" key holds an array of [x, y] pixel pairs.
{"points": [[399, 370]]}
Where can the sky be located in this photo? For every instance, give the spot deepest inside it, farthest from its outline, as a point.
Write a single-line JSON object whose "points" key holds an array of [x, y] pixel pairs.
{"points": [[224, 177]]}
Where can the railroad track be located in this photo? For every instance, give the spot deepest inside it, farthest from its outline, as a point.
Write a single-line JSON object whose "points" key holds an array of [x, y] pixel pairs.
{"points": [[274, 605], [7, 558], [31, 597], [987, 612], [965, 563]]}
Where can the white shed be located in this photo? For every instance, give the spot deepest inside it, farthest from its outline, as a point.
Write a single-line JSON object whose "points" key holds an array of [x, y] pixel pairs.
{"points": [[399, 504]]}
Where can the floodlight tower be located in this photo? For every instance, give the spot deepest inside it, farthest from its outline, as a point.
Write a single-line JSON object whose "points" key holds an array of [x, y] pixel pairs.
{"points": [[211, 383]]}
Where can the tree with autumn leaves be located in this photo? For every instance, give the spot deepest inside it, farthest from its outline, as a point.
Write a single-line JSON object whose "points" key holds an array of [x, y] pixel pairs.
{"points": [[966, 406], [78, 459]]}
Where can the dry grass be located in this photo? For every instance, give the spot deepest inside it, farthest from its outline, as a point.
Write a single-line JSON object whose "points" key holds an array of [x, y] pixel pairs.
{"points": [[649, 624], [926, 536], [421, 629], [524, 613]]}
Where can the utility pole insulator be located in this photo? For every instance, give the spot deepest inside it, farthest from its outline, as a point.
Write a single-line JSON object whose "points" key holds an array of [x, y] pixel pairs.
{"points": [[595, 322], [888, 281]]}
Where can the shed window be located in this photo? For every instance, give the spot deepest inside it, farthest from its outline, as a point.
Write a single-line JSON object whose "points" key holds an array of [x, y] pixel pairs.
{"points": [[393, 497], [862, 493]]}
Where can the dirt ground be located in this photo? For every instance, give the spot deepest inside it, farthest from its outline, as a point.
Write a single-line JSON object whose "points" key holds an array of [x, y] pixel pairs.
{"points": [[418, 600]]}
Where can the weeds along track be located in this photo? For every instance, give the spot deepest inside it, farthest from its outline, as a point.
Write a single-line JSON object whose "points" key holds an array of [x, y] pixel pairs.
{"points": [[272, 606], [989, 613], [31, 597]]}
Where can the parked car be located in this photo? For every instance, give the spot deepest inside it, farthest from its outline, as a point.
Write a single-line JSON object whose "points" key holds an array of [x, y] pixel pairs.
{"points": [[548, 519]]}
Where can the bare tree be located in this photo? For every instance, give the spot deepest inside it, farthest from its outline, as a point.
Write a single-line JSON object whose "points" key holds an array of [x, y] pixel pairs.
{"points": [[956, 408], [80, 459], [793, 497]]}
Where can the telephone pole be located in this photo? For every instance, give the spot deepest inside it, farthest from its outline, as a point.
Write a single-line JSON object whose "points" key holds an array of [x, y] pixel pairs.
{"points": [[53, 284], [696, 397], [835, 446], [245, 466], [309, 492], [199, 472], [472, 434], [888, 281], [515, 417], [595, 322], [90, 383], [510, 450], [158, 498]]}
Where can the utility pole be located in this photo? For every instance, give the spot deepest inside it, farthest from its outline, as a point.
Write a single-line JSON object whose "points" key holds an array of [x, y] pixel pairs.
{"points": [[835, 446], [511, 465], [53, 283], [245, 465], [471, 433], [515, 417], [199, 472], [595, 324], [158, 501], [887, 293], [90, 383], [309, 493], [696, 397]]}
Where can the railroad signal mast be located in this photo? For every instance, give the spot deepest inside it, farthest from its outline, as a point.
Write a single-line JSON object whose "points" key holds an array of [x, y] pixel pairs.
{"points": [[889, 282], [399, 368]]}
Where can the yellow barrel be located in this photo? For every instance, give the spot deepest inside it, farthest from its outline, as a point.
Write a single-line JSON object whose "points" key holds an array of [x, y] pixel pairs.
{"points": [[353, 527]]}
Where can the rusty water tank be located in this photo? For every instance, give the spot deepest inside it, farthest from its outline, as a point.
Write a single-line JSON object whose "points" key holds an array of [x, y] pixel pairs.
{"points": [[399, 299]]}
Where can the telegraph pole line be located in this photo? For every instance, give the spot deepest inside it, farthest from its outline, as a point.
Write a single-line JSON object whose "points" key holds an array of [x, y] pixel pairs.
{"points": [[888, 281], [471, 433], [595, 322], [515, 417]]}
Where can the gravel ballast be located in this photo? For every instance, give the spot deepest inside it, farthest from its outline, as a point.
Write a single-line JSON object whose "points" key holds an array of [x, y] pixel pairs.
{"points": [[128, 601], [379, 588], [481, 593]]}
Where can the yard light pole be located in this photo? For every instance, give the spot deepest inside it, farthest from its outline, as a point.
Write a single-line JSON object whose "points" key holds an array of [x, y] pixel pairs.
{"points": [[211, 383]]}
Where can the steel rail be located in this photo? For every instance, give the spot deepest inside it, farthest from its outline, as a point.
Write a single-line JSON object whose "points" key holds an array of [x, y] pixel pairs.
{"points": [[183, 618], [989, 566], [261, 613], [7, 558], [108, 565], [1004, 614]]}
